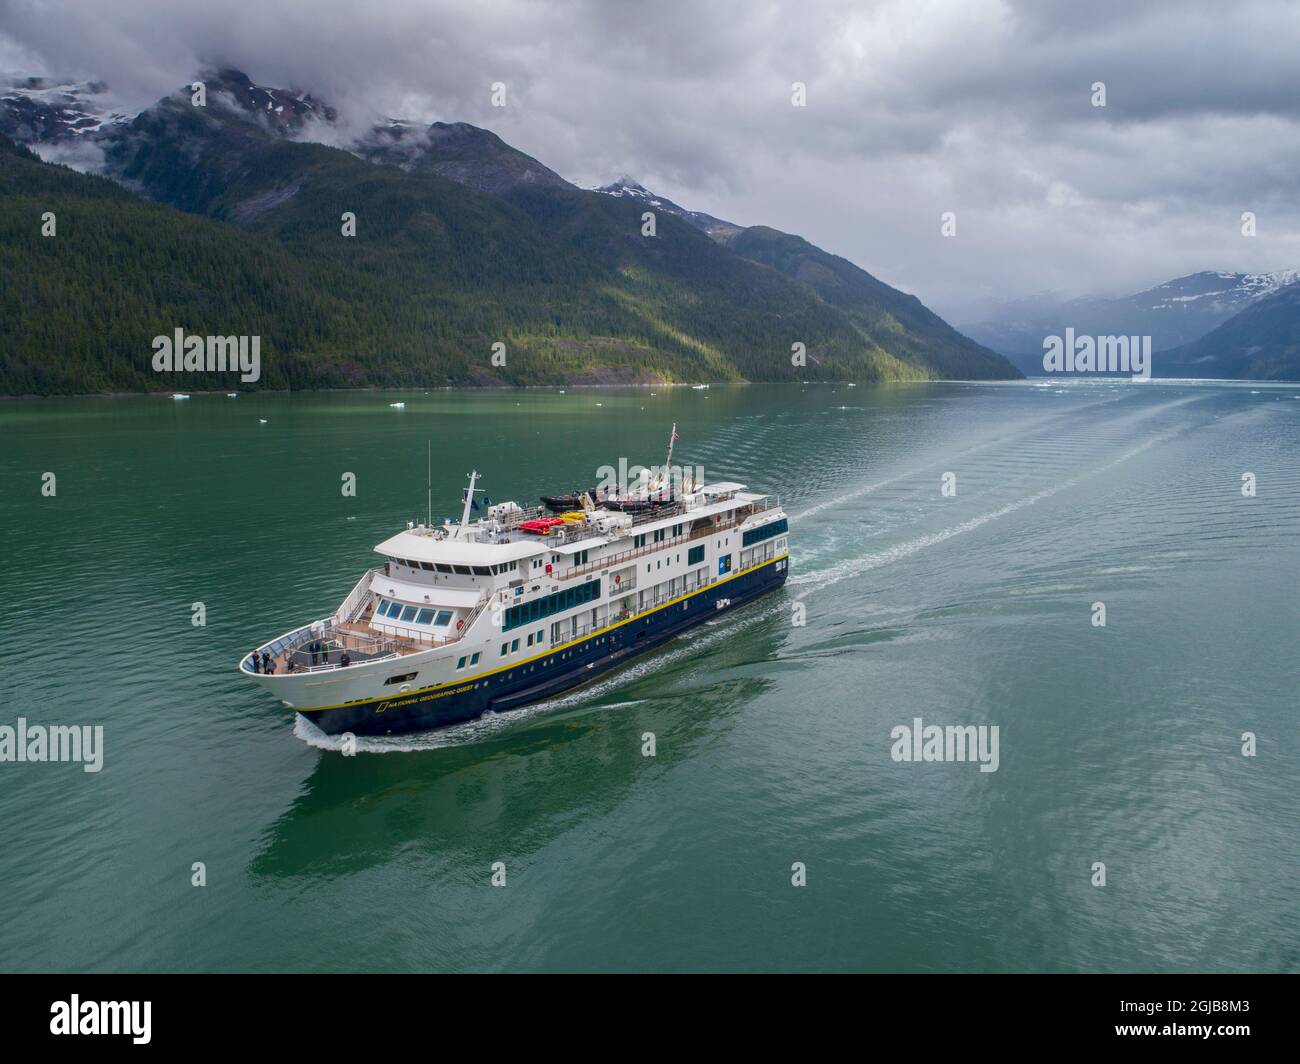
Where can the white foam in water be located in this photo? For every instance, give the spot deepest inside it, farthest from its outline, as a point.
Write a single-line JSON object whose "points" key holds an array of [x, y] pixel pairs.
{"points": [[852, 567], [867, 489]]}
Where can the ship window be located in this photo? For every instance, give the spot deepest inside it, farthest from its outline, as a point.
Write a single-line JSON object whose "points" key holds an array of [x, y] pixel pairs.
{"points": [[504, 647], [424, 617], [394, 609], [427, 566], [443, 568], [443, 619], [539, 638], [460, 664], [481, 570], [528, 612], [409, 612], [695, 555], [406, 677], [514, 645], [461, 570], [530, 639], [767, 531], [474, 660]]}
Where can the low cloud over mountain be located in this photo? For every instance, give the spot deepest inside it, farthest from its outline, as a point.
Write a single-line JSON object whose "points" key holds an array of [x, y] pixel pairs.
{"points": [[981, 108]]}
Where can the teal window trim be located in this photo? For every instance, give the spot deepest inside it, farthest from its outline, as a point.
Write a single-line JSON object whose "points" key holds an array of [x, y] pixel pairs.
{"points": [[767, 531], [528, 613]]}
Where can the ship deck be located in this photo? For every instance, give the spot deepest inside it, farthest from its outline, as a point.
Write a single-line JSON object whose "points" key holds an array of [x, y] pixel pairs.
{"points": [[361, 642]]}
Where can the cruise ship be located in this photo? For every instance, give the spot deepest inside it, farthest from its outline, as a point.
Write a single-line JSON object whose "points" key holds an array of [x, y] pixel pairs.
{"points": [[488, 615]]}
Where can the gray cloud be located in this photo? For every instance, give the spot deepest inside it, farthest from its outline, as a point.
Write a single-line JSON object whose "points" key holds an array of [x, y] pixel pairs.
{"points": [[915, 107]]}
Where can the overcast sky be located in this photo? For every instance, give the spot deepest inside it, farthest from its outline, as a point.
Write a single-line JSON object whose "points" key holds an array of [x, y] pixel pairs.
{"points": [[914, 108]]}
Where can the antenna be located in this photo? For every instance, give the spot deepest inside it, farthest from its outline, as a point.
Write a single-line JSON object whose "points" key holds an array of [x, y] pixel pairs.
{"points": [[430, 483], [469, 498], [666, 477]]}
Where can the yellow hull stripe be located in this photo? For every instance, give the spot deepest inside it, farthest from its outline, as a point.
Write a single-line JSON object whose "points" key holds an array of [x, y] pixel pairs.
{"points": [[465, 680]]}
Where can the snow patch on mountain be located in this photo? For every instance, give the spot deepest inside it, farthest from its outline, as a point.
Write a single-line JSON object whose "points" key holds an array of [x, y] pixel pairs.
{"points": [[1239, 289], [629, 188], [47, 111]]}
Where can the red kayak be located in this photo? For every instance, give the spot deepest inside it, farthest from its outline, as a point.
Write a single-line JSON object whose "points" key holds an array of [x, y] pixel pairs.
{"points": [[542, 525]]}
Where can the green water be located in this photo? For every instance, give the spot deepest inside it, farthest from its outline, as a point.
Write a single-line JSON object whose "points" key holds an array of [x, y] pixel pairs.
{"points": [[1119, 744]]}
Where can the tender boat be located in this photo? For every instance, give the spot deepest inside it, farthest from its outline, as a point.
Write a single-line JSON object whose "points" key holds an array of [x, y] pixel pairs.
{"points": [[570, 501]]}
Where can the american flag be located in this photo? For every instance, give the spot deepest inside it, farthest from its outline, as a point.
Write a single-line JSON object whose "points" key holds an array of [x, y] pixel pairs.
{"points": [[675, 436]]}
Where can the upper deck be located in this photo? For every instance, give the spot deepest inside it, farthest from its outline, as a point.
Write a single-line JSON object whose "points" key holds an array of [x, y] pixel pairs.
{"points": [[503, 539]]}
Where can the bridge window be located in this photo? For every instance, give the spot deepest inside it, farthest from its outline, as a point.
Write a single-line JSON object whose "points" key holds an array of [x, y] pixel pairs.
{"points": [[767, 531]]}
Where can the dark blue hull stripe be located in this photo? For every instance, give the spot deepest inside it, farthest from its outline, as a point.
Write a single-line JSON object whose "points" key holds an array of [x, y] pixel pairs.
{"points": [[551, 675]]}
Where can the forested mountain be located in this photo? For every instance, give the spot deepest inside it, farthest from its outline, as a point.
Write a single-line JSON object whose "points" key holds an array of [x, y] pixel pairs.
{"points": [[439, 270]]}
